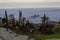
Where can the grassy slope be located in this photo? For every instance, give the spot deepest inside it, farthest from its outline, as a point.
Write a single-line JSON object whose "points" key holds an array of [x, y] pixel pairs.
{"points": [[45, 37], [41, 36]]}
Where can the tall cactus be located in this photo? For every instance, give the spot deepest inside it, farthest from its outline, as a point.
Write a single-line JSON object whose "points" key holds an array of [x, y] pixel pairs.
{"points": [[6, 16], [43, 26], [46, 27], [20, 15], [44, 18]]}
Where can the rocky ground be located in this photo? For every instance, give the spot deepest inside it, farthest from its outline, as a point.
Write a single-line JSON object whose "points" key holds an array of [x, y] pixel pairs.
{"points": [[9, 35]]}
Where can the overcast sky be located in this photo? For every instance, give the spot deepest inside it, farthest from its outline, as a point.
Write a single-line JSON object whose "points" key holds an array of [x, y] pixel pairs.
{"points": [[29, 0], [29, 3]]}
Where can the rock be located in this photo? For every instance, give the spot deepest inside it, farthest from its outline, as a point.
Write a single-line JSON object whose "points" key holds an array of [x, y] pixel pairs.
{"points": [[9, 35]]}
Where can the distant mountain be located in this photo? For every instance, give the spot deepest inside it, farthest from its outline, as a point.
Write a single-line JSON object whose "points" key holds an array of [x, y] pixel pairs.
{"points": [[34, 16]]}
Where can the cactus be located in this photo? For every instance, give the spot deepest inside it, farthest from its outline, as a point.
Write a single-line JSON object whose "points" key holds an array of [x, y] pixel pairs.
{"points": [[20, 15], [6, 17], [46, 28]]}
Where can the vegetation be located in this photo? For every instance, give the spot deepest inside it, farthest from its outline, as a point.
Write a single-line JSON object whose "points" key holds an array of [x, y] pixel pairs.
{"points": [[42, 31]]}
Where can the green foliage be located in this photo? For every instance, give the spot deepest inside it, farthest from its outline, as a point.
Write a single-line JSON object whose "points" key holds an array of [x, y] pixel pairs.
{"points": [[45, 37], [5, 25], [17, 31], [57, 30]]}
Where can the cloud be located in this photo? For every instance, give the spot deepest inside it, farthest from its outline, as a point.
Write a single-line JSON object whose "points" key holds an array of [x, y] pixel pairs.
{"points": [[31, 5]]}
